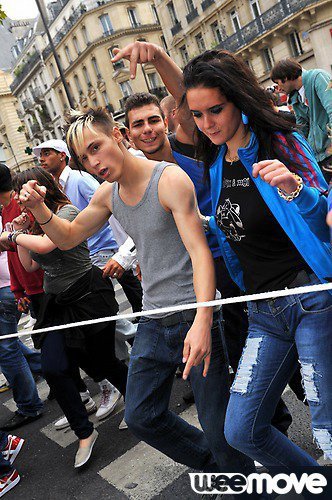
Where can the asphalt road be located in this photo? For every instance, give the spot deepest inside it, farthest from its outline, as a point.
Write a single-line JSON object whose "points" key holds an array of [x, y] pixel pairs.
{"points": [[120, 467]]}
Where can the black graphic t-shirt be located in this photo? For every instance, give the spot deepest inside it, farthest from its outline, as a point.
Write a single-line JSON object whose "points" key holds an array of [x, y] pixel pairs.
{"points": [[268, 258]]}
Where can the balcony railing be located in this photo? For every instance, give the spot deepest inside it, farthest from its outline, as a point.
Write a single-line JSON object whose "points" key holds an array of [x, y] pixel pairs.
{"points": [[108, 33], [176, 28], [25, 70], [37, 94], [206, 4], [27, 104], [35, 128], [263, 23], [191, 16]]}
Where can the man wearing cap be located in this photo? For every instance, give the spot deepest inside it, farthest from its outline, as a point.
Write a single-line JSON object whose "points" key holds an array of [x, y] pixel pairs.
{"points": [[80, 186]]}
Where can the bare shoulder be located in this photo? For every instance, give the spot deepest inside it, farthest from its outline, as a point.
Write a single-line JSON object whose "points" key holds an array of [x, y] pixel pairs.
{"points": [[175, 188], [103, 195]]}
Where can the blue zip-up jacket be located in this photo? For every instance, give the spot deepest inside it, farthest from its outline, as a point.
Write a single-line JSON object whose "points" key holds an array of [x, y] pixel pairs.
{"points": [[190, 166], [303, 219]]}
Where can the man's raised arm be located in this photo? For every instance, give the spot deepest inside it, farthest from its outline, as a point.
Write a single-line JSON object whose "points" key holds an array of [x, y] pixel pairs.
{"points": [[170, 73], [63, 233]]}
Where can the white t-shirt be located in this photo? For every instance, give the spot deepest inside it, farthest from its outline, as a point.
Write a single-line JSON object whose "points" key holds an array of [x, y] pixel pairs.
{"points": [[4, 271]]}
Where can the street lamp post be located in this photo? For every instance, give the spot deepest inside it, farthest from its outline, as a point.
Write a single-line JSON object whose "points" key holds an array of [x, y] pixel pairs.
{"points": [[62, 76]]}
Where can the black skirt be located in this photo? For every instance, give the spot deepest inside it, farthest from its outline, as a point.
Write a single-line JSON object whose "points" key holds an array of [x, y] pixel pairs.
{"points": [[90, 297]]}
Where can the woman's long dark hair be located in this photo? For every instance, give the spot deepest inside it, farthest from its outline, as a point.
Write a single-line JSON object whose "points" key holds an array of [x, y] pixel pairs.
{"points": [[55, 198], [227, 72]]}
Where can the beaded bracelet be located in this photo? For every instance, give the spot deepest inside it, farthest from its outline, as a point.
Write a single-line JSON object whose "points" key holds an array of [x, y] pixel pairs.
{"points": [[12, 236], [294, 194]]}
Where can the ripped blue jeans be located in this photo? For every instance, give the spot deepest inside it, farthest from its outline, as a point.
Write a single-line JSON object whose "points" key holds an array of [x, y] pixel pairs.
{"points": [[268, 361]]}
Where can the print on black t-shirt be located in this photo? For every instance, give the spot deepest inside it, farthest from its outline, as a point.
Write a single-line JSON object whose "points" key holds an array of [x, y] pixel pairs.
{"points": [[268, 258]]}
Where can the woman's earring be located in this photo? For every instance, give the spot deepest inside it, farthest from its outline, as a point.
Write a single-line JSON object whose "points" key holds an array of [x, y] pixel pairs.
{"points": [[245, 119]]}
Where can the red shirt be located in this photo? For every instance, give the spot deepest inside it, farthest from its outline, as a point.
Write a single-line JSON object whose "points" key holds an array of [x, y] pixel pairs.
{"points": [[21, 282]]}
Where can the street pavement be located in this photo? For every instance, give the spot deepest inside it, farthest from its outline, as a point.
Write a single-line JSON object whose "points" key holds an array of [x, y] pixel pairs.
{"points": [[121, 467]]}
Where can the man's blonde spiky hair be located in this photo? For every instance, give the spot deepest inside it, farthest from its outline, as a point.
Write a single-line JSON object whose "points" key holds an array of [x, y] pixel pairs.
{"points": [[95, 120]]}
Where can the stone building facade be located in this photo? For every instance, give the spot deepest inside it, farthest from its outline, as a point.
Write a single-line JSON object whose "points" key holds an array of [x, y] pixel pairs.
{"points": [[261, 31]]}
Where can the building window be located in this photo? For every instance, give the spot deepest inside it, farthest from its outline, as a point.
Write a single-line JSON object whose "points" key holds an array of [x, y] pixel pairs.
{"points": [[85, 35], [249, 64], [255, 8], [76, 45], [51, 106], [126, 88], [78, 84], [153, 80], [235, 20], [268, 58], [133, 18], [96, 67], [52, 68], [42, 79], [184, 54], [216, 32], [68, 55], [106, 24], [105, 97], [119, 64], [200, 42], [295, 44], [172, 13], [155, 13], [163, 43], [190, 5], [86, 76]]}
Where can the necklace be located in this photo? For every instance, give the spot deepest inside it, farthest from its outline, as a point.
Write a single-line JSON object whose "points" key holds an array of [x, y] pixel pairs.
{"points": [[231, 159]]}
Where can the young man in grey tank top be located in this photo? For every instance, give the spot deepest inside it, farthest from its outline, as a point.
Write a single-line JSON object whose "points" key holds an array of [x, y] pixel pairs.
{"points": [[156, 205]]}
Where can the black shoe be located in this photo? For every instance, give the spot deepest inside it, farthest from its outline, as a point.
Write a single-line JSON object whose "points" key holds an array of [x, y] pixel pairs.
{"points": [[17, 421], [189, 398], [51, 395]]}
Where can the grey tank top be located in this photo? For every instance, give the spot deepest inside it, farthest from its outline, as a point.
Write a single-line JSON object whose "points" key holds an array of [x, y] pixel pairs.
{"points": [[167, 275]]}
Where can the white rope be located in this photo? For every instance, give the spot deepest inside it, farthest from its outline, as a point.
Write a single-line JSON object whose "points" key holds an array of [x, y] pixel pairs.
{"points": [[182, 307]]}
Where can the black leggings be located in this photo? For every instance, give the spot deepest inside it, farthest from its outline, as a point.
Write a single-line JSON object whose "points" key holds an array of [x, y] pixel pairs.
{"points": [[60, 363]]}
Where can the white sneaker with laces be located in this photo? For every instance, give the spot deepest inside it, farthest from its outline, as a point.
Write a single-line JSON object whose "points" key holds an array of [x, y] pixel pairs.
{"points": [[30, 323], [90, 406], [109, 398]]}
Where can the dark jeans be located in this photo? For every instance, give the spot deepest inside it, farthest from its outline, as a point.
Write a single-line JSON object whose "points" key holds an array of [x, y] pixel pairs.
{"points": [[129, 282], [12, 361], [98, 360], [156, 354]]}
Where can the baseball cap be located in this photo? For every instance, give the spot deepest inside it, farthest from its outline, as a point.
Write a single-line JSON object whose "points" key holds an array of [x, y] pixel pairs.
{"points": [[56, 144]]}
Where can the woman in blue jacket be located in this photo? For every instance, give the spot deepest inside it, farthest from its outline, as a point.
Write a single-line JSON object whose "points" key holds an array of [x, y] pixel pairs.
{"points": [[269, 213]]}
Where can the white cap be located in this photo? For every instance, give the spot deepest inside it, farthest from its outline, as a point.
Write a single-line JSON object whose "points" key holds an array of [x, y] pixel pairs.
{"points": [[56, 144]]}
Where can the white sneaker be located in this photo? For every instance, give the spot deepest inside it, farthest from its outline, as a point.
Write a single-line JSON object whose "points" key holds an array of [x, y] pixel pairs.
{"points": [[109, 397], [30, 323], [90, 406]]}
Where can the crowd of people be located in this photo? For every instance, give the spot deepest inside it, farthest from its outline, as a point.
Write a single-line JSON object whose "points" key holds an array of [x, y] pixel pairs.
{"points": [[210, 193]]}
